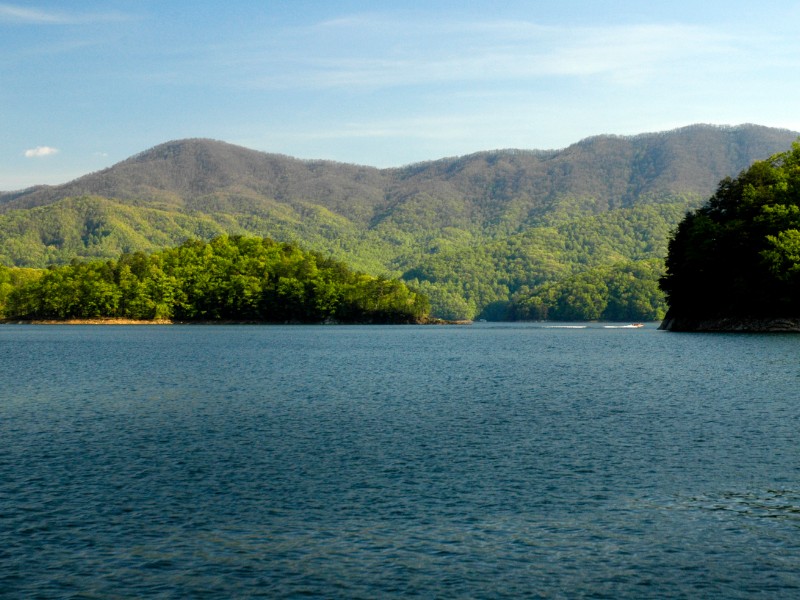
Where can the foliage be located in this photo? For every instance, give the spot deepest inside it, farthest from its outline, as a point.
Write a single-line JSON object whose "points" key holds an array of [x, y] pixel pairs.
{"points": [[626, 291], [470, 232], [739, 255], [89, 227], [13, 278], [461, 271], [470, 282], [229, 278]]}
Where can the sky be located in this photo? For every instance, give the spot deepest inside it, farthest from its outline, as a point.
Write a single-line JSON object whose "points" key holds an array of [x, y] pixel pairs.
{"points": [[86, 84]]}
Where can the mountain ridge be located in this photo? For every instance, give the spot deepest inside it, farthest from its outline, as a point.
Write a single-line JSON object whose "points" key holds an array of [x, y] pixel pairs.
{"points": [[617, 170], [470, 230]]}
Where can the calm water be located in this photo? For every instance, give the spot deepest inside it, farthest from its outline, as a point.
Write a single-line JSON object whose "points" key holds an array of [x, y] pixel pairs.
{"points": [[485, 461]]}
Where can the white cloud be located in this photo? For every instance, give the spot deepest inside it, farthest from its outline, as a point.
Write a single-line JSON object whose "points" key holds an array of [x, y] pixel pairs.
{"points": [[380, 53], [20, 14], [40, 151]]}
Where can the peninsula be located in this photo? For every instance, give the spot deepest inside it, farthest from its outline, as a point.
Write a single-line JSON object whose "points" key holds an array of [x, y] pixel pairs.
{"points": [[734, 263], [227, 279]]}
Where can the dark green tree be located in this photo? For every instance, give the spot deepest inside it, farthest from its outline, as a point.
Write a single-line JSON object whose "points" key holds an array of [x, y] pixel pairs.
{"points": [[737, 255]]}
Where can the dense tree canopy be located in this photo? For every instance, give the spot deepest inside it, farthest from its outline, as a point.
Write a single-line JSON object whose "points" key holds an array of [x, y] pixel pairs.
{"points": [[228, 278], [739, 255], [626, 291], [463, 271], [477, 281]]}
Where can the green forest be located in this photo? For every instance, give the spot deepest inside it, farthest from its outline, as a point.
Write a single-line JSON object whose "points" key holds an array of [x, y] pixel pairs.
{"points": [[556, 266], [739, 255], [579, 233], [622, 292], [465, 273], [226, 279]]}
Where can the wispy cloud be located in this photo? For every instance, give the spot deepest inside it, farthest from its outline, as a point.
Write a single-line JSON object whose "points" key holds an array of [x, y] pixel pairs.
{"points": [[40, 152], [373, 51], [11, 13]]}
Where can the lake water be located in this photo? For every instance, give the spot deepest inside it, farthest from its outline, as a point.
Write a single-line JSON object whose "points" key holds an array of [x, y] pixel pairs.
{"points": [[483, 461]]}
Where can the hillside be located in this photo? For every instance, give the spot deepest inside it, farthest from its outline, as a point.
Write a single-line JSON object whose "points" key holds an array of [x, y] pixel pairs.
{"points": [[470, 230]]}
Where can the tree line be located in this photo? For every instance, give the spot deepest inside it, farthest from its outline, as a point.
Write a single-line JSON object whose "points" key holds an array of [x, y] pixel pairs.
{"points": [[233, 278]]}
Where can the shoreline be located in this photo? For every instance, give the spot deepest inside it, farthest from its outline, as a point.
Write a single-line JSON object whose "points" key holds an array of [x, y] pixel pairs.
{"points": [[97, 321], [124, 321]]}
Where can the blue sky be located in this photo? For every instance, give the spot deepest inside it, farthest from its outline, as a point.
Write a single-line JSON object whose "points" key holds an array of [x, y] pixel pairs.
{"points": [[85, 84]]}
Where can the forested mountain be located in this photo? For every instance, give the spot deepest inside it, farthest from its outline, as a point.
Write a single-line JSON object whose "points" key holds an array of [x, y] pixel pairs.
{"points": [[471, 231], [609, 171]]}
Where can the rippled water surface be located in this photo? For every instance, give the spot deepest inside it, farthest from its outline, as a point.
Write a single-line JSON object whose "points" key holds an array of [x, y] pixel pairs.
{"points": [[485, 461]]}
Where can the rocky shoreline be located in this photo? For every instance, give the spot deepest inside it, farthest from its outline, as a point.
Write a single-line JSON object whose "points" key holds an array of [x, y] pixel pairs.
{"points": [[732, 324]]}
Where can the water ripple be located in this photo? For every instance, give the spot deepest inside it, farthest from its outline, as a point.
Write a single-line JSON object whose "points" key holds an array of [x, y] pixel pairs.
{"points": [[363, 462]]}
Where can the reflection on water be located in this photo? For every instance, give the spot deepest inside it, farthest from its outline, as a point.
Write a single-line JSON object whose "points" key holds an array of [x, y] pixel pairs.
{"points": [[769, 504]]}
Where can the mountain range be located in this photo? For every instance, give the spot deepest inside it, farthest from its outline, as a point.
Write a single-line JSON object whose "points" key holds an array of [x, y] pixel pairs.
{"points": [[469, 231]]}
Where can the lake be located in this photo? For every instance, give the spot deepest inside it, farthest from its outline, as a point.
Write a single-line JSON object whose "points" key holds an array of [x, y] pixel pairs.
{"points": [[482, 461]]}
